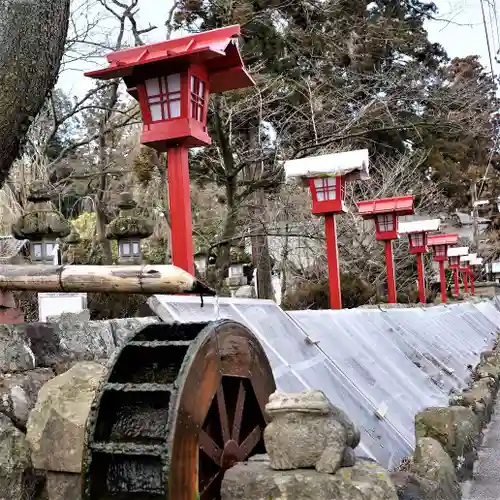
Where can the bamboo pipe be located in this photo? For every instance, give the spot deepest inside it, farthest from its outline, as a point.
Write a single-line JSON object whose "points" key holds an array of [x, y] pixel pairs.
{"points": [[145, 279]]}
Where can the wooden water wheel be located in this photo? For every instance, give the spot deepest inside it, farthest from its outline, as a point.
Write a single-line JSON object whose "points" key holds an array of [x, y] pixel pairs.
{"points": [[182, 403]]}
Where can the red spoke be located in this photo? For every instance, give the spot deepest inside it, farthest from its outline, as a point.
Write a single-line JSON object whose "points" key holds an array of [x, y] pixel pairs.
{"points": [[250, 443], [212, 490], [224, 422], [238, 413], [208, 446]]}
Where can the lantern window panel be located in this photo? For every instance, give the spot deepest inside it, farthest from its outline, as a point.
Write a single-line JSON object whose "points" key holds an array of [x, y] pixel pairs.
{"points": [[164, 97], [197, 87], [454, 261], [235, 270], [37, 251], [326, 188], [417, 239], [385, 222], [124, 249], [49, 248], [136, 248], [440, 250]]}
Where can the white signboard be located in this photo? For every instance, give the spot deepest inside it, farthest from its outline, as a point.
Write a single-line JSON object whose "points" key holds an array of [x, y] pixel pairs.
{"points": [[54, 304]]}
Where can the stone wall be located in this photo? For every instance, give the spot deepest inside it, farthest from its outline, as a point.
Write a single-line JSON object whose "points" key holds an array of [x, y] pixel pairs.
{"points": [[34, 363]]}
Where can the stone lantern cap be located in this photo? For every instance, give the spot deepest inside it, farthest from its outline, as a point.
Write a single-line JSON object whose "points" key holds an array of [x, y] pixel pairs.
{"points": [[73, 238], [239, 255], [127, 225], [302, 402], [40, 223]]}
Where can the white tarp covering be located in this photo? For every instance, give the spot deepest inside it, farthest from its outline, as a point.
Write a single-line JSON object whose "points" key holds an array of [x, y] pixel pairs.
{"points": [[380, 366]]}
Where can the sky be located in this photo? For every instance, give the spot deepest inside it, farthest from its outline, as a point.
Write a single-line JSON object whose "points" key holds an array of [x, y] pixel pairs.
{"points": [[459, 28]]}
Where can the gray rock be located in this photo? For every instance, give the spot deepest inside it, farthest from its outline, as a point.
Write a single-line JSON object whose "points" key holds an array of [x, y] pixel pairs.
{"points": [[15, 352], [412, 487], [19, 392], [63, 486], [257, 481], [431, 462], [17, 478], [457, 428], [60, 416], [304, 433]]}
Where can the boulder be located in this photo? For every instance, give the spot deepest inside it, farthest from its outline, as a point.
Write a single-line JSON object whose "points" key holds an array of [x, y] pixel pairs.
{"points": [[17, 479], [19, 392], [457, 428], [15, 352], [412, 487], [432, 463], [488, 369], [479, 397], [60, 415], [304, 432], [256, 480], [63, 486]]}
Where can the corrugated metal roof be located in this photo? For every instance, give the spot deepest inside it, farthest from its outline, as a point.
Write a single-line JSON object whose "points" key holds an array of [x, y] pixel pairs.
{"points": [[419, 226], [403, 359]]}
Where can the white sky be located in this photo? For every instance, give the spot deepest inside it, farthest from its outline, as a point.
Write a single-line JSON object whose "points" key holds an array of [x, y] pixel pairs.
{"points": [[461, 32]]}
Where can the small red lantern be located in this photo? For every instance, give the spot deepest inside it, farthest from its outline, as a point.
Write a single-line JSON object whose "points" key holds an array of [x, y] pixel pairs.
{"points": [[418, 242], [326, 176], [439, 243], [386, 212]]}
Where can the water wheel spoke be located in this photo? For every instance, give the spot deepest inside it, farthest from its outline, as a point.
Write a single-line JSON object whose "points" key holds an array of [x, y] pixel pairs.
{"points": [[250, 442], [238, 413], [211, 490], [224, 420], [209, 447]]}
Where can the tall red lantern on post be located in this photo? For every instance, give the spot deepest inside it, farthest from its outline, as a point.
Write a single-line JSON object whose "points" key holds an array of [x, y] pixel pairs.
{"points": [[439, 243], [326, 176], [385, 213], [454, 255], [172, 81], [417, 232]]}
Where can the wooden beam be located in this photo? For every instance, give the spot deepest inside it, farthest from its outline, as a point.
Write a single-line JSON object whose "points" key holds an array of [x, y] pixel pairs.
{"points": [[146, 279]]}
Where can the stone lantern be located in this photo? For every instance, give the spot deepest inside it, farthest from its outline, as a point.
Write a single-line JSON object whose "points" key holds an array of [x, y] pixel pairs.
{"points": [[200, 262], [71, 255], [239, 259], [40, 225], [128, 230]]}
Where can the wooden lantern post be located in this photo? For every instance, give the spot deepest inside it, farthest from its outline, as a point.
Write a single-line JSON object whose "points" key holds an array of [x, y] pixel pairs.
{"points": [[326, 176], [474, 263], [438, 244], [385, 213], [172, 81], [454, 255], [417, 232]]}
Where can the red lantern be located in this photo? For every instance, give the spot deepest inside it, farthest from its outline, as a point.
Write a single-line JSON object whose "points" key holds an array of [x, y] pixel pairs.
{"points": [[172, 81], [385, 212], [328, 194], [439, 243]]}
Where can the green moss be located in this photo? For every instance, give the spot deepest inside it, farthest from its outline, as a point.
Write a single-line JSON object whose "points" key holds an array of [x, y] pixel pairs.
{"points": [[128, 227], [36, 225]]}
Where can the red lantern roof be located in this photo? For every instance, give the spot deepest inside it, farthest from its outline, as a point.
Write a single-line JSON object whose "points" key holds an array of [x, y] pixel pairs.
{"points": [[400, 205], [216, 50], [442, 239]]}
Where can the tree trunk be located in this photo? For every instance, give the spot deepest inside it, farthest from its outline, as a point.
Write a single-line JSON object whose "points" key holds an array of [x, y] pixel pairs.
{"points": [[260, 245], [111, 279], [32, 38]]}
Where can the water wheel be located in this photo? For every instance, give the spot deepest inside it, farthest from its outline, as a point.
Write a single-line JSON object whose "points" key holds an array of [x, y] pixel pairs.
{"points": [[181, 404]]}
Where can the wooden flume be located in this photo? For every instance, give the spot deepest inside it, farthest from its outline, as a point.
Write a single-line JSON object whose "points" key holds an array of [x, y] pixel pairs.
{"points": [[146, 279]]}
